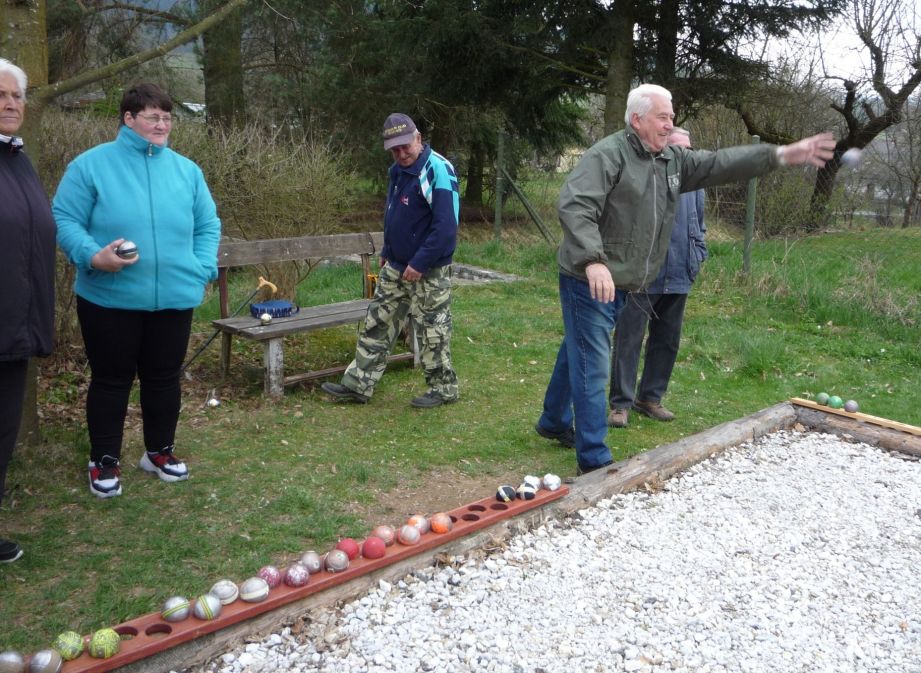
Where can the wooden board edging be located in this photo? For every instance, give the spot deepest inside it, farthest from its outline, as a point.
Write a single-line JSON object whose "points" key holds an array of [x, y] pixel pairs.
{"points": [[852, 429]]}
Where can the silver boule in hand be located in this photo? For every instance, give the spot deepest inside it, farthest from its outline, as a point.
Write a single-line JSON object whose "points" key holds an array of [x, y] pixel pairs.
{"points": [[127, 250]]}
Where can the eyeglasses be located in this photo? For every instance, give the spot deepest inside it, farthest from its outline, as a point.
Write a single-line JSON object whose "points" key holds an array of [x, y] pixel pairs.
{"points": [[155, 119]]}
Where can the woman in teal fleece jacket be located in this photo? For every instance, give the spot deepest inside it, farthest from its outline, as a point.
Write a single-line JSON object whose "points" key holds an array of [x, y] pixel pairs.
{"points": [[136, 313]]}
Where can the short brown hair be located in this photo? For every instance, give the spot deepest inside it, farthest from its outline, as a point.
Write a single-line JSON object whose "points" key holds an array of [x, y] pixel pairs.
{"points": [[140, 97]]}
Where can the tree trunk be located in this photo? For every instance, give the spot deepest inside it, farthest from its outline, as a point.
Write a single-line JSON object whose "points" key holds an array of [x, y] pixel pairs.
{"points": [[23, 41], [473, 195], [821, 194], [222, 67], [667, 27], [620, 65]]}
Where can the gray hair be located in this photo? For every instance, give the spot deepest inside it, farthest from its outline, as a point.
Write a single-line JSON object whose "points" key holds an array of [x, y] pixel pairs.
{"points": [[639, 100], [18, 73]]}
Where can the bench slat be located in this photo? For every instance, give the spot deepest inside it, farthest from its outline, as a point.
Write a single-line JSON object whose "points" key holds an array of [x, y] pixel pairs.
{"points": [[305, 320], [245, 253]]}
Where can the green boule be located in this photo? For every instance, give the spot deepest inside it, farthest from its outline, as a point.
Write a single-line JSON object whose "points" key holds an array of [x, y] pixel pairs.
{"points": [[835, 402], [821, 398]]}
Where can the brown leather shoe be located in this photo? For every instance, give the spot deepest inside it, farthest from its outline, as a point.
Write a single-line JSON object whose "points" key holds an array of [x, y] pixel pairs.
{"points": [[618, 418], [654, 410]]}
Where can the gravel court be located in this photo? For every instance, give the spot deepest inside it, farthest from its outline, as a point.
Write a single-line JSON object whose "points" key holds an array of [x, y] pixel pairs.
{"points": [[797, 552]]}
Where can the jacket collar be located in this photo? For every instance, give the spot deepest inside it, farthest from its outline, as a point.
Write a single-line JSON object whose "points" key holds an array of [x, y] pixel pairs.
{"points": [[12, 143], [130, 139], [417, 165], [640, 147]]}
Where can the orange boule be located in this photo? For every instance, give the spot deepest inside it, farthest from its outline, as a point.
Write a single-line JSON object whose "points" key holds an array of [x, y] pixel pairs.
{"points": [[441, 522], [420, 522]]}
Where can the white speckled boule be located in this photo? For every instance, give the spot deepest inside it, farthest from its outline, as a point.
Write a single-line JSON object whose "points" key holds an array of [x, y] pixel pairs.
{"points": [[226, 591], [551, 482]]}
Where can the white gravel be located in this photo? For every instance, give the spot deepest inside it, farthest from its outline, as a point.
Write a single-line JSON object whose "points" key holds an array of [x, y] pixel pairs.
{"points": [[798, 552]]}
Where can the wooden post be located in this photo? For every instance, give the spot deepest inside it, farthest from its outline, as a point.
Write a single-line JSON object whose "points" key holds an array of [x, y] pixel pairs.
{"points": [[750, 219], [500, 183]]}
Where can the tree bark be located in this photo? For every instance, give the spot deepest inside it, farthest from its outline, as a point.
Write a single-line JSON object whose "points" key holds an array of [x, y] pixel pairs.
{"points": [[222, 68], [620, 65], [473, 194]]}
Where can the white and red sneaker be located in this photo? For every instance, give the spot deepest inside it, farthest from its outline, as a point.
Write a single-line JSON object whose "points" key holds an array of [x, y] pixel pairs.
{"points": [[104, 482], [164, 464]]}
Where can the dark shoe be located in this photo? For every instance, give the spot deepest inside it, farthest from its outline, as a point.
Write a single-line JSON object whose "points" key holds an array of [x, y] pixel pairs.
{"points": [[104, 482], [654, 410], [343, 394], [429, 400], [618, 418], [585, 470], [164, 464], [9, 551], [567, 437]]}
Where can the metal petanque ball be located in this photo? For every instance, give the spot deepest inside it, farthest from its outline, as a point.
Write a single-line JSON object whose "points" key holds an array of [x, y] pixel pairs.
{"points": [[552, 482], [337, 561], [45, 661], [271, 575], [214, 402], [225, 590], [265, 318], [207, 607], [852, 157], [127, 250], [505, 493], [533, 481], [385, 533], [835, 402], [104, 644], [852, 406], [441, 522], [822, 398], [175, 609], [297, 575], [312, 561], [526, 492], [408, 535], [254, 590], [69, 645], [12, 662]]}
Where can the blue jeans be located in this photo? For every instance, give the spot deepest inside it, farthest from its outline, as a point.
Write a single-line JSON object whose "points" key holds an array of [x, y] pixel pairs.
{"points": [[578, 385]]}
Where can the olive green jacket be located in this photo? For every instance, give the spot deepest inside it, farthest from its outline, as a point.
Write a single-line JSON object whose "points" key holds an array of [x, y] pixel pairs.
{"points": [[618, 204]]}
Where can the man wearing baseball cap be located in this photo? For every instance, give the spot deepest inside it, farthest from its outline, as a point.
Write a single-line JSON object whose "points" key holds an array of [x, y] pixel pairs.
{"points": [[420, 234]]}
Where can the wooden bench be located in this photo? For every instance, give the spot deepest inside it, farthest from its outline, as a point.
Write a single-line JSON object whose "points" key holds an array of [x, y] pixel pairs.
{"points": [[248, 253]]}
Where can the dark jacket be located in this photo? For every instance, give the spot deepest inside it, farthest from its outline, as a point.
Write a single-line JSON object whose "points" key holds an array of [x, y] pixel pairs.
{"points": [[618, 204], [686, 250], [26, 260], [423, 207]]}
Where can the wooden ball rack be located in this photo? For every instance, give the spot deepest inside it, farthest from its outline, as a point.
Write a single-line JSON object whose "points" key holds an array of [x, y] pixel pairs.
{"points": [[150, 634]]}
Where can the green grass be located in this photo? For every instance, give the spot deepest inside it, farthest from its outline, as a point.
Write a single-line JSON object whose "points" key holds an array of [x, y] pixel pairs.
{"points": [[837, 312]]}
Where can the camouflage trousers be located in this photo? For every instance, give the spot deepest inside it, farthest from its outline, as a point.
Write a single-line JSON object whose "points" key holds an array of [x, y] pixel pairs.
{"points": [[427, 304]]}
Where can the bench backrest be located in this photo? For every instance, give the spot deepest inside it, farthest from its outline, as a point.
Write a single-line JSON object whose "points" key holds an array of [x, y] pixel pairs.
{"points": [[274, 250]]}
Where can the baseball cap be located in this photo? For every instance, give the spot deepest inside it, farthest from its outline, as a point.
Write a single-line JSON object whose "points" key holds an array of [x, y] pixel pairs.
{"points": [[399, 129]]}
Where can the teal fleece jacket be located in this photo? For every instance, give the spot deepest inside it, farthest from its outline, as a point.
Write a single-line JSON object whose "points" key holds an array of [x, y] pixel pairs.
{"points": [[133, 189]]}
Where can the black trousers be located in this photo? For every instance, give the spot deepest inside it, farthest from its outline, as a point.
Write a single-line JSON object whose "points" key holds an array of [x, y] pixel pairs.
{"points": [[121, 344], [12, 393], [663, 314]]}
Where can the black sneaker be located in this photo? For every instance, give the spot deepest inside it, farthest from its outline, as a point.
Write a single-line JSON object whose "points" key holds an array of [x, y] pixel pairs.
{"points": [[9, 551], [585, 470], [567, 437], [104, 475], [343, 394], [164, 464], [429, 400]]}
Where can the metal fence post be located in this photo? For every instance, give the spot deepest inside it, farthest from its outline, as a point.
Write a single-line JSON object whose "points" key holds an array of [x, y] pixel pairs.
{"points": [[750, 219]]}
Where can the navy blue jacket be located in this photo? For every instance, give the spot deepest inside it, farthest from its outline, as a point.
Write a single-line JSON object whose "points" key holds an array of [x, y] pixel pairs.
{"points": [[26, 260], [423, 208], [686, 249]]}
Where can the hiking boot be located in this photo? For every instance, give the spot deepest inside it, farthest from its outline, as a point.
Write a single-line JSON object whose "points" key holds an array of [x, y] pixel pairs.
{"points": [[343, 394], [618, 418], [429, 400], [566, 437], [654, 410], [585, 470], [9, 551], [104, 475], [164, 464]]}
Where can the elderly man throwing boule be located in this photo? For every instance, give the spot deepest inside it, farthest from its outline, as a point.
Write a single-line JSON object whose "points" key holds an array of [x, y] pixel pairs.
{"points": [[617, 209], [420, 234]]}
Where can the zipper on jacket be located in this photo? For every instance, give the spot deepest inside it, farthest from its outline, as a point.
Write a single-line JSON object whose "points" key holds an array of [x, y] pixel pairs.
{"points": [[655, 220], [153, 229]]}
